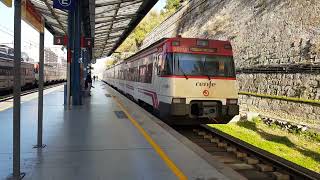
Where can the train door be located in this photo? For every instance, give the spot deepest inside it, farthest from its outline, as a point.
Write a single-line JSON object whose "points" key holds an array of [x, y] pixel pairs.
{"points": [[156, 80]]}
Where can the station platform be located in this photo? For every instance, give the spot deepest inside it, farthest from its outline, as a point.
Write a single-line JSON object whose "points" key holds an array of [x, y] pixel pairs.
{"points": [[109, 137]]}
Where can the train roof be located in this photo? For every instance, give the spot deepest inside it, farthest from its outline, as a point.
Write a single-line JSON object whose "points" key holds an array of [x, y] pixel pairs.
{"points": [[159, 42], [137, 53], [145, 49]]}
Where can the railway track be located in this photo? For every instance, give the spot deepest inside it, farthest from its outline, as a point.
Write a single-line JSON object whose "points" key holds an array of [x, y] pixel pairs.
{"points": [[248, 160], [26, 92]]}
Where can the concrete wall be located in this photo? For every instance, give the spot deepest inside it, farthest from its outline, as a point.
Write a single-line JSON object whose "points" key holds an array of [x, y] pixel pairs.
{"points": [[262, 32]]}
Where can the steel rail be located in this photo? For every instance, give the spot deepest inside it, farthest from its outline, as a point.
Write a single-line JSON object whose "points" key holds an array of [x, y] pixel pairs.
{"points": [[26, 92]]}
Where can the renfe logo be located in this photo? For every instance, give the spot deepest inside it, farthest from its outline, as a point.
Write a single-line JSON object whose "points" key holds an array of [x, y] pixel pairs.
{"points": [[65, 2], [206, 84], [205, 93]]}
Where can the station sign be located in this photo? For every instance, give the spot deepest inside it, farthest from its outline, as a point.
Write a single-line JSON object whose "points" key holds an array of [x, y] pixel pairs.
{"points": [[60, 40], [64, 4], [31, 16], [86, 42], [8, 3]]}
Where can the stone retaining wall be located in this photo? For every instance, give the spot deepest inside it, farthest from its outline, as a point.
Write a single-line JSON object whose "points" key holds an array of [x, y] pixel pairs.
{"points": [[306, 86], [295, 112]]}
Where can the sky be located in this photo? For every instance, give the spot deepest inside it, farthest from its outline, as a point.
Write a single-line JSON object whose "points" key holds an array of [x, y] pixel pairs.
{"points": [[160, 5], [29, 36]]}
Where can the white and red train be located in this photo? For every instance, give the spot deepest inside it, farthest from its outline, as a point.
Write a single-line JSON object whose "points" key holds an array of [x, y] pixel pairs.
{"points": [[184, 80]]}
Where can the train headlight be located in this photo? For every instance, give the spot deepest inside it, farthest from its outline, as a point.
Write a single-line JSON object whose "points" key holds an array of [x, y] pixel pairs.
{"points": [[179, 100], [232, 101]]}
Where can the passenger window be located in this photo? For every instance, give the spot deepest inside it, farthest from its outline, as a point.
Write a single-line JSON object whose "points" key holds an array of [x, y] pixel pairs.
{"points": [[142, 73], [127, 75], [136, 74], [131, 74], [148, 78]]}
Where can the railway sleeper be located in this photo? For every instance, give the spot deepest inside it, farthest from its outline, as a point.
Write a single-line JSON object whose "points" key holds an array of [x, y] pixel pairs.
{"points": [[241, 155], [265, 167], [214, 140], [280, 176], [222, 145], [251, 160], [195, 130], [208, 136], [231, 149], [241, 166], [226, 159]]}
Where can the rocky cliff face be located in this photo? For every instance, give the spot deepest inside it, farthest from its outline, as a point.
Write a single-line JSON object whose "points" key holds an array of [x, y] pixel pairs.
{"points": [[262, 33]]}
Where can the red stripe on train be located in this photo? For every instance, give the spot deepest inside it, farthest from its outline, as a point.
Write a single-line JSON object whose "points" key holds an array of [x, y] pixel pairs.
{"points": [[153, 95], [198, 77]]}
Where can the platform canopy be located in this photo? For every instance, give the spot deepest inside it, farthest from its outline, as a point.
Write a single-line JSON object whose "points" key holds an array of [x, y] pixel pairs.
{"points": [[108, 22]]}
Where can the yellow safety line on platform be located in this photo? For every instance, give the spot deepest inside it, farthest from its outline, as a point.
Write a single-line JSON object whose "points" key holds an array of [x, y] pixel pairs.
{"points": [[154, 145]]}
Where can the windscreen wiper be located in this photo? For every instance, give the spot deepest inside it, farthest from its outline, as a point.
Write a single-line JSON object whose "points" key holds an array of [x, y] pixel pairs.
{"points": [[184, 74], [204, 68]]}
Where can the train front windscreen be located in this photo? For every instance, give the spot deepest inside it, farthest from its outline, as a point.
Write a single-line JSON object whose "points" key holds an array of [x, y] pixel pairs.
{"points": [[199, 65]]}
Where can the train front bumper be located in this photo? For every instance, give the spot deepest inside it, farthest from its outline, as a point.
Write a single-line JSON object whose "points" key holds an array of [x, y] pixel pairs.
{"points": [[202, 111]]}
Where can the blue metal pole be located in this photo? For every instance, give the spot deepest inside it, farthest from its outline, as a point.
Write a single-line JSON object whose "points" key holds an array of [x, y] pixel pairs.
{"points": [[70, 56], [76, 65]]}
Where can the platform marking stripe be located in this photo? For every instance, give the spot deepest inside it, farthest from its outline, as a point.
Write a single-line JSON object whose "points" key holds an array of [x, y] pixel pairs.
{"points": [[155, 146]]}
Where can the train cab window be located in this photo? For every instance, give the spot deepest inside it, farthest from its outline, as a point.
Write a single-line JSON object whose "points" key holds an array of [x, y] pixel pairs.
{"points": [[205, 65], [165, 65]]}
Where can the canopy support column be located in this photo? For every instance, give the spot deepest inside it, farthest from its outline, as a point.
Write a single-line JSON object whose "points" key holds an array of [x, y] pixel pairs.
{"points": [[17, 91], [40, 98], [76, 88]]}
